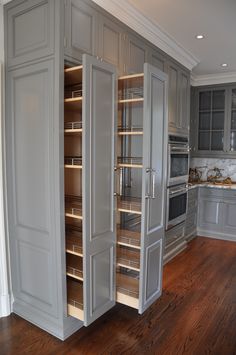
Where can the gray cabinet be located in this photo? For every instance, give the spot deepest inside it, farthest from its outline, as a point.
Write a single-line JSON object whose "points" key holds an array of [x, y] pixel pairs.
{"points": [[174, 242], [135, 54], [173, 107], [81, 29], [156, 59], [29, 149], [29, 31], [216, 213], [184, 105], [191, 219], [99, 232], [213, 121], [142, 172], [179, 99], [110, 42]]}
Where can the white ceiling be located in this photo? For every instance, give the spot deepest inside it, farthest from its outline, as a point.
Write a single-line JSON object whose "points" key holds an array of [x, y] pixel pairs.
{"points": [[183, 19]]}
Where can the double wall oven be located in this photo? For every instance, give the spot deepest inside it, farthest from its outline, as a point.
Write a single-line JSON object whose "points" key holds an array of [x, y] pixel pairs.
{"points": [[177, 188]]}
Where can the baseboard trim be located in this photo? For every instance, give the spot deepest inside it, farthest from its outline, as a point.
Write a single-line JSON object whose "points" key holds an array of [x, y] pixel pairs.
{"points": [[215, 235], [5, 305], [174, 252]]}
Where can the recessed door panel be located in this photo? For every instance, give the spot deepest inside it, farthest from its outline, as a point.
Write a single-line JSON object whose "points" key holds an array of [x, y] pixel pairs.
{"points": [[99, 110], [31, 147], [136, 52], [101, 157], [31, 182], [110, 41], [154, 282], [101, 279], [30, 31], [80, 29], [153, 188]]}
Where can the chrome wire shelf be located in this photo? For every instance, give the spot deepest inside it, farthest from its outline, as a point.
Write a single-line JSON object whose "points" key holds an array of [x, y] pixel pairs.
{"points": [[129, 161], [130, 93], [73, 206], [128, 259], [135, 130], [74, 243], [73, 91], [128, 238], [73, 125], [130, 205], [73, 161], [127, 284], [75, 304], [70, 270]]}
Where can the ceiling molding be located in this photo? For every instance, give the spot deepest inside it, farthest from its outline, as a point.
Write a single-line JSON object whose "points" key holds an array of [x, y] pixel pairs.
{"points": [[213, 79], [126, 13]]}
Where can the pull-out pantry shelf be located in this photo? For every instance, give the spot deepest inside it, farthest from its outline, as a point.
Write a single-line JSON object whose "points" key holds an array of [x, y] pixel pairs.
{"points": [[75, 299]]}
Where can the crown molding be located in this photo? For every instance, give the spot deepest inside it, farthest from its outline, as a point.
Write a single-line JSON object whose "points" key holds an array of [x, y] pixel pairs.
{"points": [[126, 13], [213, 79]]}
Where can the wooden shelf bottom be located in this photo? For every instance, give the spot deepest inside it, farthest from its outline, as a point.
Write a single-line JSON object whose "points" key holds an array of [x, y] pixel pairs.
{"points": [[127, 300]]}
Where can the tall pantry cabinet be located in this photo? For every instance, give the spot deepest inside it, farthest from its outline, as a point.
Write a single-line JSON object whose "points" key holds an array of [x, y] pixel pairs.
{"points": [[86, 172]]}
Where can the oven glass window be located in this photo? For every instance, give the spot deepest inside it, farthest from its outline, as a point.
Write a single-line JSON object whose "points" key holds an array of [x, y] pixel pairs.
{"points": [[178, 165], [177, 206]]}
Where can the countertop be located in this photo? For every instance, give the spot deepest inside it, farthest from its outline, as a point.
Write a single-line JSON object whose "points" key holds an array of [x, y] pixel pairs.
{"points": [[211, 185]]}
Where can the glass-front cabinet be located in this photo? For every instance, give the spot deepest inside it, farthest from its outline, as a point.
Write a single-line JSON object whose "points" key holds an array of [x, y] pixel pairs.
{"points": [[213, 123], [233, 121], [211, 120]]}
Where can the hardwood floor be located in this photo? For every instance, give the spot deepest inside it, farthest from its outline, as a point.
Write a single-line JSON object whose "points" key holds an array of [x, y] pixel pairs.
{"points": [[195, 315]]}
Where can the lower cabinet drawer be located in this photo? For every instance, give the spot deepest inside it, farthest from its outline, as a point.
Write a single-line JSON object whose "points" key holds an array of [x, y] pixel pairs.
{"points": [[175, 234]]}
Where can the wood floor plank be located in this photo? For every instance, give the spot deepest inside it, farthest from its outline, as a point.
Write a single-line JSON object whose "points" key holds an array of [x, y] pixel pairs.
{"points": [[196, 314]]}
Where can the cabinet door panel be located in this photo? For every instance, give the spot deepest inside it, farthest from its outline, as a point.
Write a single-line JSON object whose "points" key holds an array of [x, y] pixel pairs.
{"points": [[229, 225], [110, 42], [30, 31], [157, 60], [184, 116], [154, 159], [99, 110], [80, 29], [30, 177], [136, 55], [210, 215], [173, 99]]}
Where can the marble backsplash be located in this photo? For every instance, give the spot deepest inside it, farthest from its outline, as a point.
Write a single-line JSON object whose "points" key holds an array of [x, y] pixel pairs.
{"points": [[229, 166]]}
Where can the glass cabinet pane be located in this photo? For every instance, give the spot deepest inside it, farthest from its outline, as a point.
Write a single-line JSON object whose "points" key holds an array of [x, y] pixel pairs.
{"points": [[211, 122], [205, 100], [204, 140], [218, 100], [217, 141], [233, 120], [204, 120], [234, 99], [218, 120], [233, 141]]}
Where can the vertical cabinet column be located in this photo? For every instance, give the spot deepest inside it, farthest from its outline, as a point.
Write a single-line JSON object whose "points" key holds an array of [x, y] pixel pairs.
{"points": [[90, 120], [141, 166]]}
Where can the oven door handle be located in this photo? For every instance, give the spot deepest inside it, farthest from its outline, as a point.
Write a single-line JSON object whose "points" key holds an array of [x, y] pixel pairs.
{"points": [[178, 191], [181, 149]]}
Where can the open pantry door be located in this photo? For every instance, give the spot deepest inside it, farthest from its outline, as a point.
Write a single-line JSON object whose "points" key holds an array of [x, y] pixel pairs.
{"points": [[153, 189], [99, 110]]}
